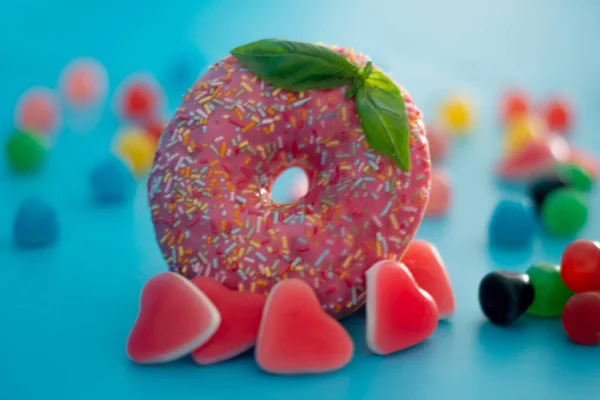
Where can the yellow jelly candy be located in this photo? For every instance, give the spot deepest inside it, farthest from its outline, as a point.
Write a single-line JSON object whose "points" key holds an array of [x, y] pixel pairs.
{"points": [[137, 150], [522, 131], [457, 115]]}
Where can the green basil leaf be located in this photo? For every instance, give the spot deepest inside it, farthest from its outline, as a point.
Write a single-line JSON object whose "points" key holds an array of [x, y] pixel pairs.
{"points": [[353, 88], [296, 66], [366, 71], [380, 80], [384, 121]]}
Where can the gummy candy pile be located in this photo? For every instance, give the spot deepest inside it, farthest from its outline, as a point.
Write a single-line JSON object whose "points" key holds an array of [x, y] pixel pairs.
{"points": [[570, 290], [78, 102]]}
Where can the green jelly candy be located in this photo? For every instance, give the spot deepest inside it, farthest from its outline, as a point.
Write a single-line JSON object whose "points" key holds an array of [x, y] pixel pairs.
{"points": [[25, 152], [564, 212], [550, 293], [577, 177]]}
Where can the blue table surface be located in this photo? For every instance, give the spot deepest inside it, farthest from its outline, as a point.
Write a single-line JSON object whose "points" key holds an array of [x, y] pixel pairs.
{"points": [[66, 311]]}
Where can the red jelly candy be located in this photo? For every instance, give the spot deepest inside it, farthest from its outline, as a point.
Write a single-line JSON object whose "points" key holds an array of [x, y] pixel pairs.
{"points": [[174, 319], [139, 100], [296, 336], [240, 318], [514, 104], [399, 313], [425, 264], [581, 318], [580, 266], [558, 115]]}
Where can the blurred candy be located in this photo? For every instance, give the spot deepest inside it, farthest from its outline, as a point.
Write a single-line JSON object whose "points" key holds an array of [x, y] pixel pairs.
{"points": [[512, 224], [581, 318], [155, 129], [186, 68], [440, 195], [25, 152], [542, 187], [38, 111], [522, 131], [513, 105], [550, 293], [438, 144], [137, 150], [111, 181], [534, 159], [564, 212], [586, 161], [580, 266], [577, 177], [400, 314], [558, 114], [36, 224], [84, 82], [457, 115], [293, 314], [505, 296], [140, 99]]}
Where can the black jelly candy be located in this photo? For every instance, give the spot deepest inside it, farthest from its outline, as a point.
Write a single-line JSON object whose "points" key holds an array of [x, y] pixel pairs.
{"points": [[505, 296], [541, 188]]}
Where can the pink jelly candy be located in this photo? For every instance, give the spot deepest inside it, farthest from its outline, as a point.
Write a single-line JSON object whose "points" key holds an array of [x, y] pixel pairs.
{"points": [[38, 111], [400, 314], [174, 318], [240, 312], [536, 158], [425, 264], [296, 336], [84, 82], [439, 198], [439, 145]]}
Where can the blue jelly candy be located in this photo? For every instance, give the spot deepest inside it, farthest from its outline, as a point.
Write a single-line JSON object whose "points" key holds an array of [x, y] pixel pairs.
{"points": [[512, 224], [36, 224], [185, 68], [111, 181]]}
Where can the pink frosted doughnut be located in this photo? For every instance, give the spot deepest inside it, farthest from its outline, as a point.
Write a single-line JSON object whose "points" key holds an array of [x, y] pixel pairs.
{"points": [[231, 137]]}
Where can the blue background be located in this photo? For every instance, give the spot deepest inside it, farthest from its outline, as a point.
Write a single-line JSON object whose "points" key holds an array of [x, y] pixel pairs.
{"points": [[65, 311]]}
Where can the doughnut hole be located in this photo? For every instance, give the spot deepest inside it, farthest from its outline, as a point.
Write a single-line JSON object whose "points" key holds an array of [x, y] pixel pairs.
{"points": [[290, 186]]}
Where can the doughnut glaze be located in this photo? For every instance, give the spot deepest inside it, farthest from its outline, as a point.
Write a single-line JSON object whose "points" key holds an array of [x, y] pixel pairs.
{"points": [[233, 134]]}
